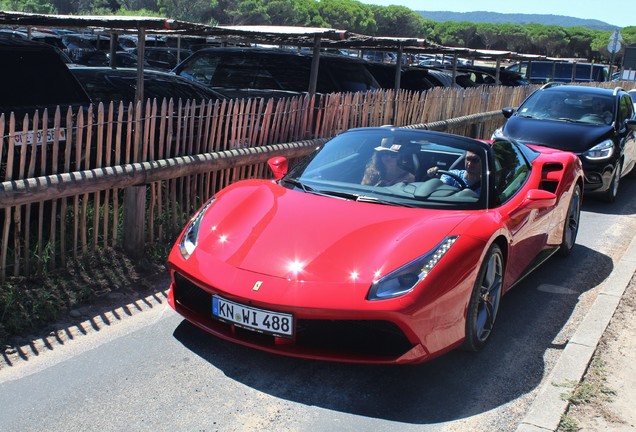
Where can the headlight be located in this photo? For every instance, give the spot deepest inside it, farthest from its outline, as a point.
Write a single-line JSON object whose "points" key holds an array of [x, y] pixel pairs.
{"points": [[600, 151], [498, 133], [190, 236], [404, 279]]}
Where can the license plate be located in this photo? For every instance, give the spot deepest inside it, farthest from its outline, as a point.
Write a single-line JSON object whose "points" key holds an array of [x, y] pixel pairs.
{"points": [[260, 320], [21, 139]]}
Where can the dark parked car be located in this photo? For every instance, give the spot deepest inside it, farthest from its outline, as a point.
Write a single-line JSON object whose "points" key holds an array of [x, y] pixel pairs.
{"points": [[38, 79], [163, 58], [595, 123], [415, 78], [539, 72], [105, 84], [259, 72], [484, 75]]}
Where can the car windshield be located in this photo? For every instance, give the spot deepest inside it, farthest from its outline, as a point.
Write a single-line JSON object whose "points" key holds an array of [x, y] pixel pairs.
{"points": [[569, 106], [399, 167]]}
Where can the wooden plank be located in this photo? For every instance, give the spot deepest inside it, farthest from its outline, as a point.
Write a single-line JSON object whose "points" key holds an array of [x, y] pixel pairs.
{"points": [[78, 157]]}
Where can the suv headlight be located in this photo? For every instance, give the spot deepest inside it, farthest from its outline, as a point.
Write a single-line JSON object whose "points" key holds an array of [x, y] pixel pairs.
{"points": [[600, 151], [190, 237], [404, 279]]}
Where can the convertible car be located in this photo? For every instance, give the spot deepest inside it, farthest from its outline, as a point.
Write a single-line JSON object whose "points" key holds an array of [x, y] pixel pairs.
{"points": [[320, 263]]}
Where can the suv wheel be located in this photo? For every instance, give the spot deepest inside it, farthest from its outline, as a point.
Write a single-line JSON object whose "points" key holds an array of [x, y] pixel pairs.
{"points": [[612, 191]]}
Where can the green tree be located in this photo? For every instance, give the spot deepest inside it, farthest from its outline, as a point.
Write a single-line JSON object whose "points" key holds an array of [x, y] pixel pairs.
{"points": [[580, 42], [32, 6], [489, 34], [549, 40], [348, 15], [398, 21], [188, 10]]}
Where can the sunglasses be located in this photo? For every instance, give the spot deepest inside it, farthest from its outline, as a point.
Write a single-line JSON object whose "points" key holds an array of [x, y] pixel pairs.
{"points": [[389, 154], [473, 159]]}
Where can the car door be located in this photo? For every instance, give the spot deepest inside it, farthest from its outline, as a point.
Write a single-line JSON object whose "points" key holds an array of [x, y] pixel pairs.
{"points": [[626, 134], [529, 227]]}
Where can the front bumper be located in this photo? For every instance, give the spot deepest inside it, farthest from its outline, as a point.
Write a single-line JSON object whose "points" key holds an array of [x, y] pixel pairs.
{"points": [[342, 339]]}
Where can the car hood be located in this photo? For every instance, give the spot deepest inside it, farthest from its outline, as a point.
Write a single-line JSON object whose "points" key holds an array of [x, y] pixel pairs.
{"points": [[261, 227], [574, 137]]}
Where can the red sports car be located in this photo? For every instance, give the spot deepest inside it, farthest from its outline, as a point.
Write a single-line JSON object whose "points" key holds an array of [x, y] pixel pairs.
{"points": [[385, 245]]}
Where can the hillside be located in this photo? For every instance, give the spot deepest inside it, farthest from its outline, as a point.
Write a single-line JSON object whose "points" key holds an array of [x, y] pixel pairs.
{"points": [[499, 18]]}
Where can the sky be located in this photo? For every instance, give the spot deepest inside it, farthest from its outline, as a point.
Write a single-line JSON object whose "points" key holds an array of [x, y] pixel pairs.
{"points": [[621, 13]]}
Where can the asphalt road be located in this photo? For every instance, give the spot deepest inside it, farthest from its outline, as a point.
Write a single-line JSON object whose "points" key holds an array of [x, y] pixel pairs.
{"points": [[153, 371]]}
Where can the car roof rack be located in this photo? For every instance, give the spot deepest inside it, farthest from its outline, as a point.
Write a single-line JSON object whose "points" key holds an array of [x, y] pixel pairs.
{"points": [[618, 89], [552, 84]]}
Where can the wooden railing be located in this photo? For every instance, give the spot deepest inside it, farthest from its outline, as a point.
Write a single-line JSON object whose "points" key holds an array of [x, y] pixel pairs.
{"points": [[64, 198]]}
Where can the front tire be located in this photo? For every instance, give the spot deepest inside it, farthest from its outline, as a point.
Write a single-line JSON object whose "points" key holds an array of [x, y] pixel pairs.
{"points": [[484, 300], [612, 191], [571, 224]]}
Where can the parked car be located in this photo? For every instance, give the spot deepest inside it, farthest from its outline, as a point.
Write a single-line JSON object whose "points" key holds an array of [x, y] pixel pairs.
{"points": [[595, 123], [36, 36], [105, 84], [260, 72], [125, 59], [318, 265], [485, 75], [37, 80], [540, 72], [84, 41], [412, 77], [163, 58]]}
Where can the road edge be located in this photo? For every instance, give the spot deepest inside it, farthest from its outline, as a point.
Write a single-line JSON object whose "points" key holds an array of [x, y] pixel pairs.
{"points": [[549, 406]]}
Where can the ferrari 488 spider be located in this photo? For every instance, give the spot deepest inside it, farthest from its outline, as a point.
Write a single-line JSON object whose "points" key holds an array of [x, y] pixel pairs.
{"points": [[385, 245]]}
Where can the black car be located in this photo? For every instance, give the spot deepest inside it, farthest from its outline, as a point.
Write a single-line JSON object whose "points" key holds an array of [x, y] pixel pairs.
{"points": [[163, 58], [260, 72], [486, 75], [597, 124], [542, 71], [414, 78], [104, 84], [38, 79]]}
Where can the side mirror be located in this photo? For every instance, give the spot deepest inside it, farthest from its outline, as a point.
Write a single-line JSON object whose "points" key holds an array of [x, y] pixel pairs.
{"points": [[537, 199], [279, 166], [631, 124], [508, 112]]}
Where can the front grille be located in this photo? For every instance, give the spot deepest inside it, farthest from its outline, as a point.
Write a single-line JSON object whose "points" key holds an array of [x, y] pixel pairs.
{"points": [[191, 296]]}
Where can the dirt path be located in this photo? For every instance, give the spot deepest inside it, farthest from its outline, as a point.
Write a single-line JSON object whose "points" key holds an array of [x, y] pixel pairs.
{"points": [[606, 398]]}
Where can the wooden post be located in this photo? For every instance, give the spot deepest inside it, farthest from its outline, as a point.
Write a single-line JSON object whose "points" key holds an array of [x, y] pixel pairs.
{"points": [[315, 63], [135, 196], [134, 228]]}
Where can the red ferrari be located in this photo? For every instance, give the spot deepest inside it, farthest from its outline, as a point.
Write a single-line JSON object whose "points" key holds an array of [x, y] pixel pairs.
{"points": [[385, 245]]}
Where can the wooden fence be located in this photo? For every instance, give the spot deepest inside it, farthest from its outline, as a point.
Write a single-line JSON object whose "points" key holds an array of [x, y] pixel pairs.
{"points": [[64, 198]]}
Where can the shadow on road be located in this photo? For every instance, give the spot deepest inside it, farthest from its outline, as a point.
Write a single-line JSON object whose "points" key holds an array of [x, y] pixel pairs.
{"points": [[454, 386], [624, 204]]}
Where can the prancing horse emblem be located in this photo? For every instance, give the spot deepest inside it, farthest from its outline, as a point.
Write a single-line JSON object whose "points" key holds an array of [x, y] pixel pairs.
{"points": [[257, 285]]}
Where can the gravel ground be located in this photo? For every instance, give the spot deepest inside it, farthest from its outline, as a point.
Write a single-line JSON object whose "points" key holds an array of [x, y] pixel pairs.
{"points": [[608, 390]]}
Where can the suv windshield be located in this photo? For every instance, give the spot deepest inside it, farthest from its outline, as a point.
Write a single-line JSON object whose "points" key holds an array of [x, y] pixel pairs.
{"points": [[569, 106]]}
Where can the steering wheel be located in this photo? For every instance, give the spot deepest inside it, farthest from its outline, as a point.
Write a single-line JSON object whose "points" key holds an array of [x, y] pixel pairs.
{"points": [[462, 184]]}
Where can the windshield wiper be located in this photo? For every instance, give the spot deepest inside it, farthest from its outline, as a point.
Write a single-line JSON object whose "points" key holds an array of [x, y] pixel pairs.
{"points": [[375, 200], [298, 184]]}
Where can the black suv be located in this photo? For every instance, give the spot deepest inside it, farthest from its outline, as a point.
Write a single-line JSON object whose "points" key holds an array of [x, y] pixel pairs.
{"points": [[260, 72], [37, 79], [597, 124], [105, 84]]}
